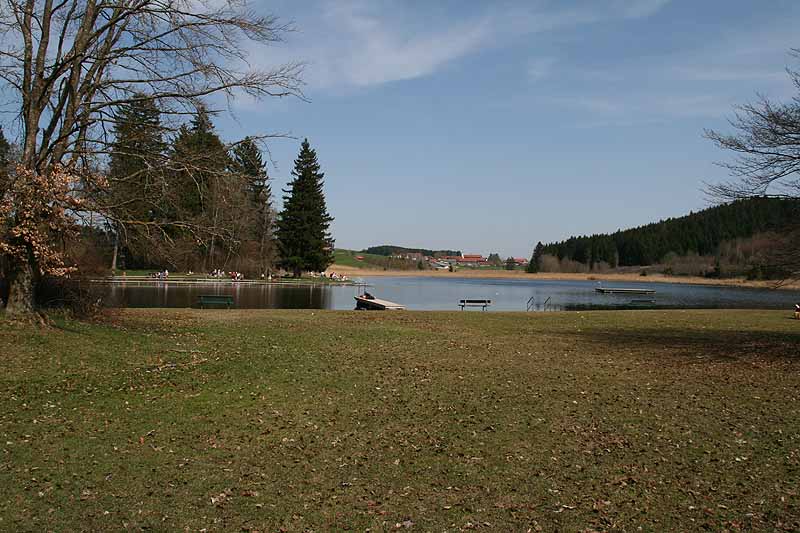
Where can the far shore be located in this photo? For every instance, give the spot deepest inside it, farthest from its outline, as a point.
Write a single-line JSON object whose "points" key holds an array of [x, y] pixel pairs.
{"points": [[560, 276]]}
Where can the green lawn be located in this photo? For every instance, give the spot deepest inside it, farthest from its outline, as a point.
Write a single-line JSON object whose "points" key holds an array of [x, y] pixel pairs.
{"points": [[348, 258], [313, 421]]}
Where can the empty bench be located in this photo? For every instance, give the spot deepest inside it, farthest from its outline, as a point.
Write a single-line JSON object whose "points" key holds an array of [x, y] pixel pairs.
{"points": [[474, 303], [214, 300]]}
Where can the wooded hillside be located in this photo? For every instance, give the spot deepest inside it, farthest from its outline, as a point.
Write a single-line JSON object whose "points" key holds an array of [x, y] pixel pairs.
{"points": [[700, 233]]}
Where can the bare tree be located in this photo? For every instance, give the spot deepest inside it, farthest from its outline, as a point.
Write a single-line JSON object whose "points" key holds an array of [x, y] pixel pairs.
{"points": [[70, 63], [766, 144]]}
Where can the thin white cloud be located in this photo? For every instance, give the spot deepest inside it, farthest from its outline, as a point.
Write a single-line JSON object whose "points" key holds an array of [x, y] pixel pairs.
{"points": [[378, 54], [358, 43]]}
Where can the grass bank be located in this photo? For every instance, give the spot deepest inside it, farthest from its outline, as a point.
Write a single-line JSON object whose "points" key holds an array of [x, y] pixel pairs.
{"points": [[301, 421]]}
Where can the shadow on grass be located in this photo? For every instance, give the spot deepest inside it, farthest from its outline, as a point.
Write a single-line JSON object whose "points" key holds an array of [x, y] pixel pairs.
{"points": [[61, 325], [707, 343]]}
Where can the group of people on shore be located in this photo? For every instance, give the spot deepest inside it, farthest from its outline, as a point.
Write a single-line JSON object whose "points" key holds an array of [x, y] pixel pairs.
{"points": [[333, 276], [238, 276], [219, 273]]}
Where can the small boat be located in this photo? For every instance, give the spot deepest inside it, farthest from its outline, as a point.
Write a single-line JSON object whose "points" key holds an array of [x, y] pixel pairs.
{"points": [[621, 290]]}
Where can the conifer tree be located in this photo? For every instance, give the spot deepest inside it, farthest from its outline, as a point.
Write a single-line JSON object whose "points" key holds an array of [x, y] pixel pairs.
{"points": [[204, 191], [137, 151], [5, 155], [248, 163], [303, 237], [200, 157], [533, 265], [5, 149]]}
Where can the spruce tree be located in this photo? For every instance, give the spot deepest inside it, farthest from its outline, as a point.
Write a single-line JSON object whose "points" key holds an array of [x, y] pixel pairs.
{"points": [[533, 265], [203, 191], [136, 156], [5, 157], [303, 237], [248, 163], [5, 149], [137, 149], [201, 158]]}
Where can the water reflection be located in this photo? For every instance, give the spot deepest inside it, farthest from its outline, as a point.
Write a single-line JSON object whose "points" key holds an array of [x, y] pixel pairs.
{"points": [[245, 296], [443, 294]]}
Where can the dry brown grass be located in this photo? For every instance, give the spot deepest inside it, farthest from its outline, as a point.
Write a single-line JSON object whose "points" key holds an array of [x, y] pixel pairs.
{"points": [[322, 421]]}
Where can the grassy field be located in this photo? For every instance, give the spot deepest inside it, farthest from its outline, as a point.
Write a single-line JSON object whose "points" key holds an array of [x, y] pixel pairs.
{"points": [[347, 258], [318, 421]]}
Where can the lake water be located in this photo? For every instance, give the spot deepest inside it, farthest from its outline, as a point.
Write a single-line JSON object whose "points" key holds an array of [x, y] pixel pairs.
{"points": [[443, 294]]}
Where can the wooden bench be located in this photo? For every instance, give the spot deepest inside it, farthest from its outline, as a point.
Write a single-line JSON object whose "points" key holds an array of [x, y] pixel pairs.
{"points": [[214, 300], [474, 303]]}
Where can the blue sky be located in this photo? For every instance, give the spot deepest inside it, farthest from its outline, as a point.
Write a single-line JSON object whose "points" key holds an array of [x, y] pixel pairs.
{"points": [[488, 126]]}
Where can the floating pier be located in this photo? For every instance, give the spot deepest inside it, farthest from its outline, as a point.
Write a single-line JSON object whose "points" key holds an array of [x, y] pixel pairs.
{"points": [[620, 290], [376, 304]]}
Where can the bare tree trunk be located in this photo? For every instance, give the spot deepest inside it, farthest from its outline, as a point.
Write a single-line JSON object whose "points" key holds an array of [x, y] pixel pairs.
{"points": [[114, 255], [20, 290], [213, 239]]}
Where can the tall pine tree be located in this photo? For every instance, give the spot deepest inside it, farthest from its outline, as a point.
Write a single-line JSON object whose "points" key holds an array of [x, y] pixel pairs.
{"points": [[248, 163], [203, 191], [5, 155], [136, 156], [200, 157], [536, 258], [303, 237], [5, 149]]}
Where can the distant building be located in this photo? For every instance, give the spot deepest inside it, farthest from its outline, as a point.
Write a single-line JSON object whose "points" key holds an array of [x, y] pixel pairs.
{"points": [[471, 260], [521, 261]]}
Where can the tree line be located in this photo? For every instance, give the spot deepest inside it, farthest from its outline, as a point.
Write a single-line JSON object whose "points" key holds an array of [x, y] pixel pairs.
{"points": [[68, 68], [697, 233], [189, 201], [388, 250], [216, 210]]}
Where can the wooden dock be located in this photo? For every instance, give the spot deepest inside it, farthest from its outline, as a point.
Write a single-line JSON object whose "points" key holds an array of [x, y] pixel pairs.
{"points": [[620, 290], [376, 304]]}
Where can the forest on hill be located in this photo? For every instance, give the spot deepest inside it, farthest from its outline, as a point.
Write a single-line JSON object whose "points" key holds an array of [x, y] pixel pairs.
{"points": [[736, 233], [389, 250]]}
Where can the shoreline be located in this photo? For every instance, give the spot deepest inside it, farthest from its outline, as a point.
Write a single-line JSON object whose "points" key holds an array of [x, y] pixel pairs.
{"points": [[561, 276], [207, 281]]}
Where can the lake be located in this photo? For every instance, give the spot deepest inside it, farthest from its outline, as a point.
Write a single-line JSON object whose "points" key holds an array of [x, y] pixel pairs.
{"points": [[422, 293]]}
